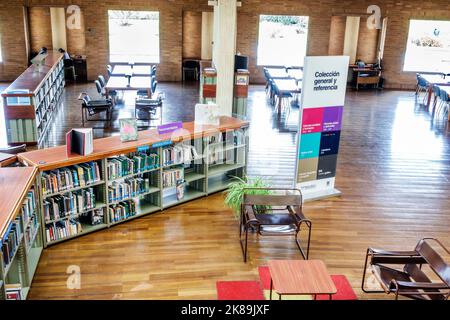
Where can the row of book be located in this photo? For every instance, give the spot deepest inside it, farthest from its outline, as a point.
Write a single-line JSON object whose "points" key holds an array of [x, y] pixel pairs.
{"points": [[122, 166], [121, 211], [28, 207], [93, 217], [70, 177], [11, 240], [62, 229], [13, 291], [31, 232], [179, 154], [132, 187], [75, 202], [170, 177]]}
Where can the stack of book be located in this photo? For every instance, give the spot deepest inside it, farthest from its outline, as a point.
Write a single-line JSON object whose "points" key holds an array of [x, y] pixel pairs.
{"points": [[179, 154], [62, 229], [69, 203], [119, 191], [92, 217], [170, 177], [12, 240], [121, 211], [31, 232], [71, 177], [13, 291], [122, 166], [28, 207]]}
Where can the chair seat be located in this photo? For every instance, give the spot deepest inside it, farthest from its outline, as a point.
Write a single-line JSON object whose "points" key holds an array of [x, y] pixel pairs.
{"points": [[277, 230], [275, 219]]}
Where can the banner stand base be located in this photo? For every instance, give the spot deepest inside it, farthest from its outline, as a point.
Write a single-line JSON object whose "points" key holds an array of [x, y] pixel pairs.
{"points": [[323, 194]]}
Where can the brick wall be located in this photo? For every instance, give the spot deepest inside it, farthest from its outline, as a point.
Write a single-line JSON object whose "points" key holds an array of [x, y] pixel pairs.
{"points": [[192, 34], [40, 28], [337, 35], [367, 42], [171, 13]]}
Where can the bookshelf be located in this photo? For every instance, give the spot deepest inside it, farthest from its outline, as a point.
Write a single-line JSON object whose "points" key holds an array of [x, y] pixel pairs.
{"points": [[30, 102], [124, 181], [20, 230]]}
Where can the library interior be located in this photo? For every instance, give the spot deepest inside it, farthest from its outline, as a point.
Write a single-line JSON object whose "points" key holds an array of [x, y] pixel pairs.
{"points": [[224, 150]]}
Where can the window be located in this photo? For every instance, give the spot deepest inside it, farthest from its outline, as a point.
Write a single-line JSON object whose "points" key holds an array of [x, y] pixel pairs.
{"points": [[428, 47], [282, 40], [133, 36]]}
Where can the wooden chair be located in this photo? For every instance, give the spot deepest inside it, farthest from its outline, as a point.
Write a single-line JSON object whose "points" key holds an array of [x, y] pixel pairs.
{"points": [[410, 281], [273, 215]]}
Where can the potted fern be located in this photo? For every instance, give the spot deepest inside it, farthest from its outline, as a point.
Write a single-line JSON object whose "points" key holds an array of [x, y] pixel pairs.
{"points": [[236, 190]]}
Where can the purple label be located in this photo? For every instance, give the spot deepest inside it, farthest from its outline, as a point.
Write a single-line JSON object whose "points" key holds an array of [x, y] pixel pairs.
{"points": [[169, 127], [332, 118]]}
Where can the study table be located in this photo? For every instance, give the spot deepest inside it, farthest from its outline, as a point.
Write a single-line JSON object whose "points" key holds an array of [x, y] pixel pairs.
{"points": [[277, 73], [300, 277], [297, 74], [434, 79], [137, 70], [135, 83], [285, 86]]}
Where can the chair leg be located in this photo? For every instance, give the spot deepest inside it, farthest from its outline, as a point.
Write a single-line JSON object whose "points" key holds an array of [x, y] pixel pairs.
{"points": [[83, 111], [364, 277]]}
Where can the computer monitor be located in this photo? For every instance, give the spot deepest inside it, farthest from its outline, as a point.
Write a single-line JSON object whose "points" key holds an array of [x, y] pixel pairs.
{"points": [[240, 62]]}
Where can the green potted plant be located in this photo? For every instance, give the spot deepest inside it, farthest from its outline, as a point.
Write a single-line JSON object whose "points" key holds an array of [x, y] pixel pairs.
{"points": [[236, 190]]}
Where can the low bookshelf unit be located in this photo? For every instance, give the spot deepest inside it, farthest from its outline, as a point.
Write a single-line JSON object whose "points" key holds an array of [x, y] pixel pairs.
{"points": [[20, 231], [30, 102], [121, 181]]}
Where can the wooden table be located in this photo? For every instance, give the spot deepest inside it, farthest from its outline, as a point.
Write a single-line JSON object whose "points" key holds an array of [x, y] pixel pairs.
{"points": [[297, 74], [139, 70], [300, 277], [434, 79], [277, 73], [288, 85], [121, 83], [6, 159]]}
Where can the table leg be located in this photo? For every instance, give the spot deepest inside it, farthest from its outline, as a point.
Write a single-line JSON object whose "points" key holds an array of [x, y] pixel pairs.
{"points": [[279, 107], [430, 90], [149, 93], [271, 286], [331, 297], [106, 93]]}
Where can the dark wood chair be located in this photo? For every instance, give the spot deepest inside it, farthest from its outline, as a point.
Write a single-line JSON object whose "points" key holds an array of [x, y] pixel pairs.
{"points": [[273, 215], [410, 281]]}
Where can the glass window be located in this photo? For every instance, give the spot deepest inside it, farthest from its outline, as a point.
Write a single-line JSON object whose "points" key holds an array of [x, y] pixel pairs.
{"points": [[282, 40], [428, 47], [133, 36]]}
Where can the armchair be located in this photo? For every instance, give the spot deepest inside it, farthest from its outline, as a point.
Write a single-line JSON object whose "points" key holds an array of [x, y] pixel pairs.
{"points": [[281, 215], [90, 108], [410, 281]]}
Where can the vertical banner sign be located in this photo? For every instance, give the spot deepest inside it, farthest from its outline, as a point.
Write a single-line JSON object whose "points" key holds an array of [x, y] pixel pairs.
{"points": [[323, 96]]}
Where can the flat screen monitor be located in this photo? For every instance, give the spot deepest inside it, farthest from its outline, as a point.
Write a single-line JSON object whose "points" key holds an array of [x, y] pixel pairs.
{"points": [[240, 62]]}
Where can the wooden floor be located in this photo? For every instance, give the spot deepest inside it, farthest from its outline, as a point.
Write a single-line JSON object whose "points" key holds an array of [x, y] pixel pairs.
{"points": [[393, 171]]}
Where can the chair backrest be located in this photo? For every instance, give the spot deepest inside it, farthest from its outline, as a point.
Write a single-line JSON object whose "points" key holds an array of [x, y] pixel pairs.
{"points": [[102, 81], [99, 86], [271, 199], [436, 91], [443, 95], [435, 261], [154, 86], [109, 69]]}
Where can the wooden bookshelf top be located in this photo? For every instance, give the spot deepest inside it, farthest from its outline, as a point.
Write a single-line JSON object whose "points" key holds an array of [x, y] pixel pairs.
{"points": [[31, 79], [56, 157], [14, 185]]}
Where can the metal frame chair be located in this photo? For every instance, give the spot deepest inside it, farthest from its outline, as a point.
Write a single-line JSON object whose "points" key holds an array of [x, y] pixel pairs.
{"points": [[92, 107], [411, 281], [285, 219]]}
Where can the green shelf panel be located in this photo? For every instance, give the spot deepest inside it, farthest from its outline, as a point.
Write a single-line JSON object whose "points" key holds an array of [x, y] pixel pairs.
{"points": [[219, 169]]}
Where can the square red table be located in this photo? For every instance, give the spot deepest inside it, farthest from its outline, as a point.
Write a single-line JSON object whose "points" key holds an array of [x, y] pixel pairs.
{"points": [[300, 277]]}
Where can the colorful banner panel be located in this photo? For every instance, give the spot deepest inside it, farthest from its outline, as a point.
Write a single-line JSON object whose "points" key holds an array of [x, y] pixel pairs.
{"points": [[323, 96]]}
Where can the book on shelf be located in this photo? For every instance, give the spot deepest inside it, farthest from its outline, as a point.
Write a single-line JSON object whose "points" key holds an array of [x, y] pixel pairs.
{"points": [[67, 204], [31, 232], [128, 129], [121, 211], [67, 178], [129, 188], [13, 291], [92, 217], [11, 241], [121, 166], [80, 141], [28, 206], [62, 229], [179, 154], [172, 176]]}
